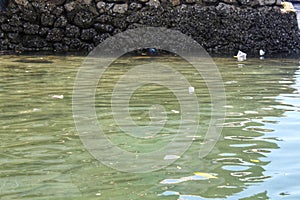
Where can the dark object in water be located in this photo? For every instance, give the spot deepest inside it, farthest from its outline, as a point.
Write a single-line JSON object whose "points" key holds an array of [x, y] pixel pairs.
{"points": [[4, 4]]}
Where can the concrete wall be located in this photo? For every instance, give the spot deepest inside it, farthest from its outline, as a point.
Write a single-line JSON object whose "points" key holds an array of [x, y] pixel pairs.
{"points": [[220, 26]]}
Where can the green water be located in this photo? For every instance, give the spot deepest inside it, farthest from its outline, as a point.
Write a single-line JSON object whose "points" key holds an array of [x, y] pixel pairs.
{"points": [[256, 157]]}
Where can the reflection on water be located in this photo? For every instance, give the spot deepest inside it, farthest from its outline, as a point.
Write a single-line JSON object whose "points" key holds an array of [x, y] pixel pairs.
{"points": [[42, 156]]}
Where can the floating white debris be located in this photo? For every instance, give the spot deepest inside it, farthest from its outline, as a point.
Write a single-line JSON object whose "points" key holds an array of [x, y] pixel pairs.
{"points": [[57, 96], [251, 112], [262, 52], [175, 111], [241, 56], [169, 193], [198, 176], [171, 157], [191, 90]]}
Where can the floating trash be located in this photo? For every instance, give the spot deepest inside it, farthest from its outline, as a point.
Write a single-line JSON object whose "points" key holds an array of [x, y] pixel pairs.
{"points": [[262, 52], [241, 56], [205, 175], [197, 176], [171, 157], [255, 160], [175, 111], [191, 90], [57, 96]]}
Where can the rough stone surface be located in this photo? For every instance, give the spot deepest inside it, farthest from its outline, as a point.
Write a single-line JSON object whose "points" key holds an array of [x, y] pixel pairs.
{"points": [[220, 26]]}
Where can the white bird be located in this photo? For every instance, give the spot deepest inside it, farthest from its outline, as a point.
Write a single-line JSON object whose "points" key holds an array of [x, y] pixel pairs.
{"points": [[262, 52]]}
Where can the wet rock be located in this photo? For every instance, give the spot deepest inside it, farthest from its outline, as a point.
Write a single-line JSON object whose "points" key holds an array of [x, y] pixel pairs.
{"points": [[55, 35], [61, 22], [73, 44], [72, 31], [84, 19], [88, 34], [47, 19], [58, 47], [33, 41]]}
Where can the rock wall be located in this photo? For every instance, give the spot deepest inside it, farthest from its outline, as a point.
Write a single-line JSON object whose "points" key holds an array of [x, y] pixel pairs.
{"points": [[220, 26]]}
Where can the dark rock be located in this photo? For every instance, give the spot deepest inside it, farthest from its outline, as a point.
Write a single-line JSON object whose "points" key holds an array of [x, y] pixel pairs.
{"points": [[58, 47], [72, 31], [29, 15], [15, 21], [14, 37], [100, 38], [153, 3], [104, 28], [73, 43], [4, 44], [135, 6], [9, 28], [43, 31], [57, 2], [43, 6], [61, 22], [1, 35], [88, 34], [133, 18], [57, 11], [245, 2], [47, 19], [33, 41], [30, 29], [104, 19], [119, 23], [55, 35], [87, 47], [84, 19]]}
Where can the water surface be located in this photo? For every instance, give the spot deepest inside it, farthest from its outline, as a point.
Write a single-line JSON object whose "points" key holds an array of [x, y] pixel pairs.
{"points": [[42, 156]]}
